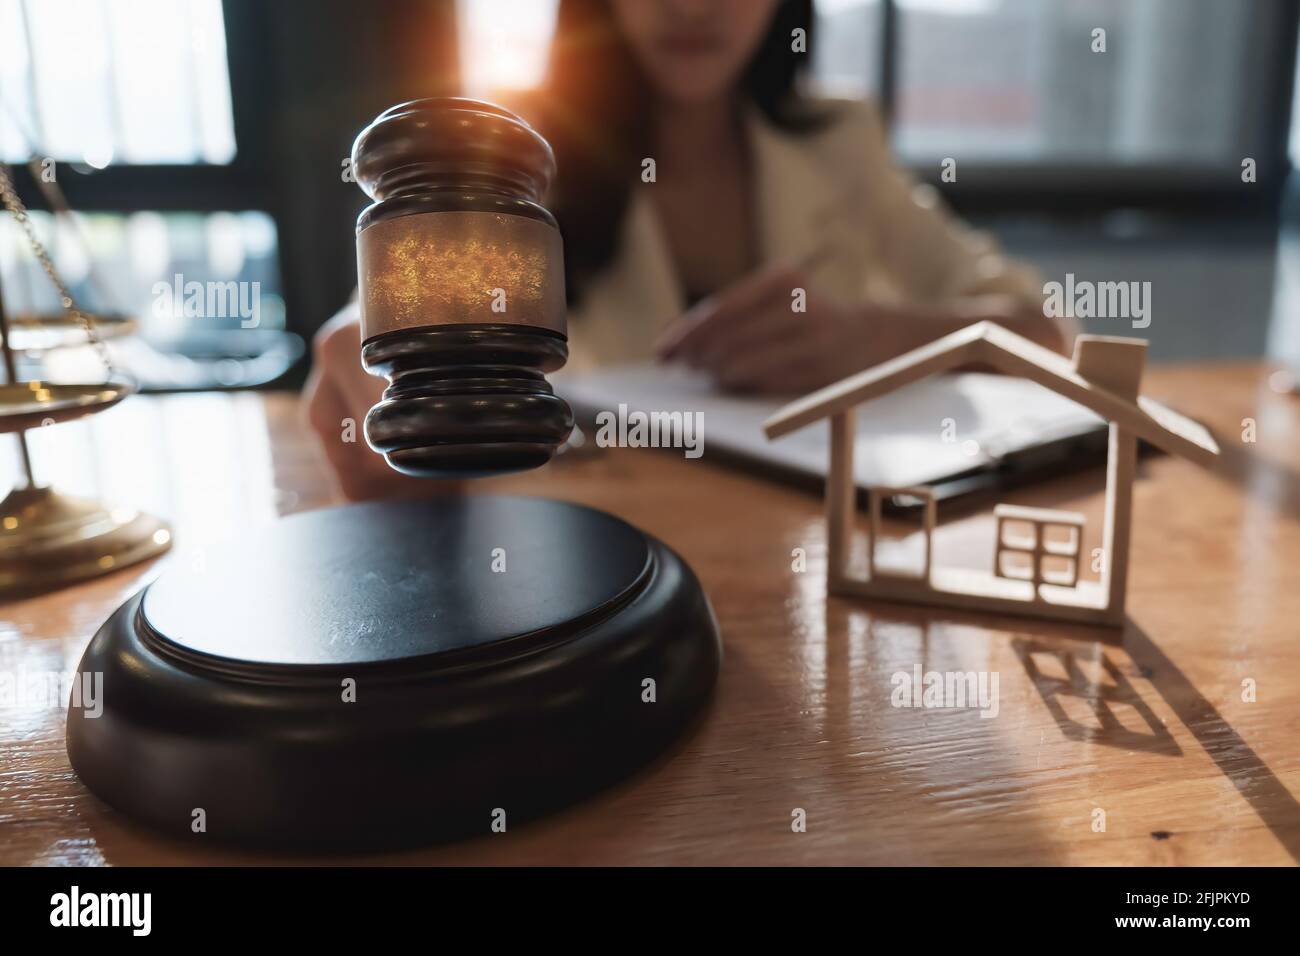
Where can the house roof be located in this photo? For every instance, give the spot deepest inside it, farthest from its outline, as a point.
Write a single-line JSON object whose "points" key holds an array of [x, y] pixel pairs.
{"points": [[1011, 354]]}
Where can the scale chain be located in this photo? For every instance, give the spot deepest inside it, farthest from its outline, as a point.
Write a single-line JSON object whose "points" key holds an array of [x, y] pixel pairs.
{"points": [[9, 196]]}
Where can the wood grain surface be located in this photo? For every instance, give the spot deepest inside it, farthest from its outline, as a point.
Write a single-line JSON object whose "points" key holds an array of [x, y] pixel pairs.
{"points": [[1147, 725]]}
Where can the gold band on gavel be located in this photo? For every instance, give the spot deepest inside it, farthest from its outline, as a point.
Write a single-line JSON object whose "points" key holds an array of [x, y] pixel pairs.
{"points": [[452, 268]]}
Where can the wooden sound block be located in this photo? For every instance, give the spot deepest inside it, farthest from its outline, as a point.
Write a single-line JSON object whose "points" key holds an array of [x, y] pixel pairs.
{"points": [[395, 673]]}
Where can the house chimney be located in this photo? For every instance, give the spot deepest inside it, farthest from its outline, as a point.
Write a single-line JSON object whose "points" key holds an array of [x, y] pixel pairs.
{"points": [[1111, 362]]}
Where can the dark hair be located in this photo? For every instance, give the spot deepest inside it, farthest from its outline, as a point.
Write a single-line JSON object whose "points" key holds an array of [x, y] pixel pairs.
{"points": [[594, 110]]}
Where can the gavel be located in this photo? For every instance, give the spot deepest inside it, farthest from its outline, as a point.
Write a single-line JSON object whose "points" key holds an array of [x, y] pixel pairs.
{"points": [[461, 283]]}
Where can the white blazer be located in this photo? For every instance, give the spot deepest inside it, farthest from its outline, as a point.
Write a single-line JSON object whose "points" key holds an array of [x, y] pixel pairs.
{"points": [[833, 195]]}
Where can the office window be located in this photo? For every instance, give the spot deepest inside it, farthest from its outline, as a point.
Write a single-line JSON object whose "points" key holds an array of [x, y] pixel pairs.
{"points": [[847, 46], [115, 81], [1179, 83], [504, 44], [1293, 142], [114, 262], [133, 101]]}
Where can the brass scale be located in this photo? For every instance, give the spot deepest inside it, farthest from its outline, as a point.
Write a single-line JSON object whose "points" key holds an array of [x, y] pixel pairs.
{"points": [[49, 538]]}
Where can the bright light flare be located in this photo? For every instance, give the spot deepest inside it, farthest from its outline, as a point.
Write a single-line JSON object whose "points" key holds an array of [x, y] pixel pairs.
{"points": [[504, 43]]}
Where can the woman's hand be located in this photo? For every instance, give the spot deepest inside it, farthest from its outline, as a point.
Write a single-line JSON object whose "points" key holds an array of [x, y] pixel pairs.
{"points": [[751, 337], [336, 398], [773, 332]]}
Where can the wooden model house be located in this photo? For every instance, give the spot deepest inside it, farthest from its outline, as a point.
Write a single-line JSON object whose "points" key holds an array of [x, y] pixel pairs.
{"points": [[1035, 573]]}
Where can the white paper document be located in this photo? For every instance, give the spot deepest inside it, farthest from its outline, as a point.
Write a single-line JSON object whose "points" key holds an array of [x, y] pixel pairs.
{"points": [[923, 433]]}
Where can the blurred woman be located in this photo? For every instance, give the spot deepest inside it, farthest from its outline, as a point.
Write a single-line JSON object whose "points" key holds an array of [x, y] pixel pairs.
{"points": [[715, 214]]}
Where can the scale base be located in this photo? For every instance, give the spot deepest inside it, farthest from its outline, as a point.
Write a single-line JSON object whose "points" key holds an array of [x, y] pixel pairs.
{"points": [[49, 539], [394, 674]]}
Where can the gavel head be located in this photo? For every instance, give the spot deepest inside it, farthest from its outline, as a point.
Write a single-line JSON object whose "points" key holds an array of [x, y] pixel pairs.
{"points": [[462, 289]]}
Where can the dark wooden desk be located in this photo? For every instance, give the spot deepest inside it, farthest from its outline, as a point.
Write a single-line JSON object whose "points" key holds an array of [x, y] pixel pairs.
{"points": [[1148, 726]]}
